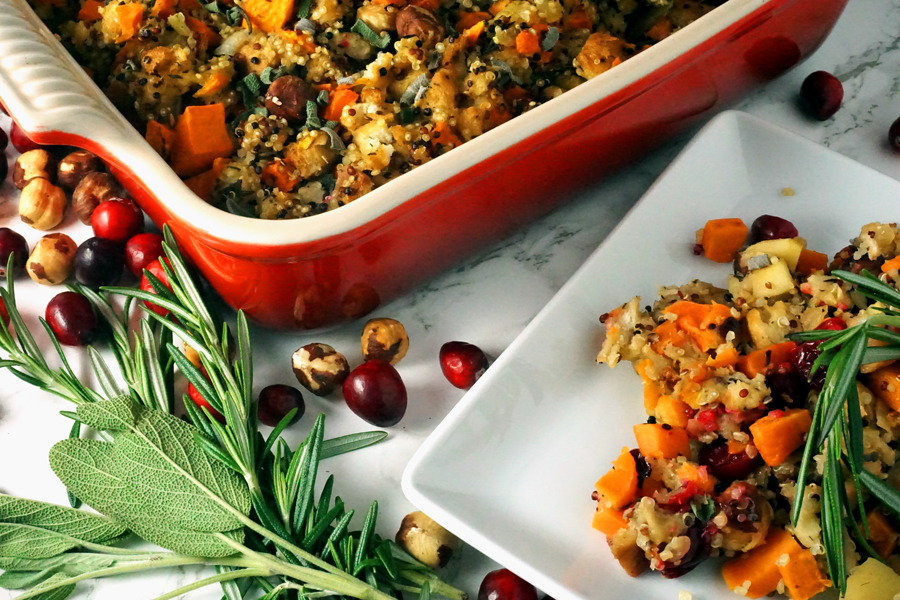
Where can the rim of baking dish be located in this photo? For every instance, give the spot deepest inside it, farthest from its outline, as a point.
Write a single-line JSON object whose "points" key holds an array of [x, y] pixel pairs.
{"points": [[32, 55]]}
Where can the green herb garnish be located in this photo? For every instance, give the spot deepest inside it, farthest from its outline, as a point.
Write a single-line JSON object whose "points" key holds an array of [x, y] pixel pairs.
{"points": [[379, 41], [837, 428]]}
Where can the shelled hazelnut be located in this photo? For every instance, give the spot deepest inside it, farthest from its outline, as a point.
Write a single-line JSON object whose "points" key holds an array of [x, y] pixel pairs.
{"points": [[93, 189], [75, 166], [384, 339], [320, 368], [42, 204], [52, 259], [32, 165], [426, 540]]}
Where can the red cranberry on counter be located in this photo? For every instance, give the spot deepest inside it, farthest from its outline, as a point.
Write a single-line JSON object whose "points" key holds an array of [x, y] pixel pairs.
{"points": [[201, 402], [156, 269], [375, 393], [12, 243], [4, 313], [462, 363], [141, 250], [71, 318], [20, 141], [822, 94], [768, 227], [276, 401], [117, 221], [503, 584], [98, 261]]}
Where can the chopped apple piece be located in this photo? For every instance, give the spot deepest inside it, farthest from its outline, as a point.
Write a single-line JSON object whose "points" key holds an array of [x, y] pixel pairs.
{"points": [[872, 581], [770, 281], [787, 249]]}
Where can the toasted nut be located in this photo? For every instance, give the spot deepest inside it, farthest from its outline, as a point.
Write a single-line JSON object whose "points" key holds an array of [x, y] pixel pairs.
{"points": [[320, 368], [378, 18], [52, 260], [425, 540], [384, 339], [420, 22], [93, 189], [287, 98], [34, 164], [42, 204], [74, 167]]}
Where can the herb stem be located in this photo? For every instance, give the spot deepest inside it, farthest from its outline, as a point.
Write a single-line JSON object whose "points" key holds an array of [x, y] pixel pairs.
{"points": [[437, 586], [227, 576]]}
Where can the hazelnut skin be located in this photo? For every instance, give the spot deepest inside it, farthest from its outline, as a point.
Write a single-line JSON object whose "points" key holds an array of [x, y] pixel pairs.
{"points": [[384, 339], [93, 189], [320, 368], [42, 205], [426, 540], [32, 165], [75, 166], [52, 259], [420, 22], [287, 98]]}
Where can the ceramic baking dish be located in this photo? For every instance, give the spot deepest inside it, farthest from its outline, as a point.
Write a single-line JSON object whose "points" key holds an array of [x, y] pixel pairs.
{"points": [[343, 264]]}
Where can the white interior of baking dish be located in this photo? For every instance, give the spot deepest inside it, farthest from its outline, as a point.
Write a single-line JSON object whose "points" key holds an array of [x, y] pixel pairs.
{"points": [[46, 90]]}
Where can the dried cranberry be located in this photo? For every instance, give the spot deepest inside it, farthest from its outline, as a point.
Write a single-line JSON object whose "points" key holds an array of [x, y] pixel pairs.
{"points": [[698, 551], [644, 470], [822, 94], [787, 386], [72, 320], [503, 584], [725, 465], [141, 250], [742, 504], [805, 354], [769, 227]]}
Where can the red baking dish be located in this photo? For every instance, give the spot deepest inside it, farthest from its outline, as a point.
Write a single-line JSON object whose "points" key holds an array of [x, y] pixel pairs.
{"points": [[343, 264]]}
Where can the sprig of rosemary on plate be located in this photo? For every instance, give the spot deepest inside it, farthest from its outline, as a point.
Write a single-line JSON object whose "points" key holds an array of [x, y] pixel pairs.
{"points": [[837, 427], [211, 493]]}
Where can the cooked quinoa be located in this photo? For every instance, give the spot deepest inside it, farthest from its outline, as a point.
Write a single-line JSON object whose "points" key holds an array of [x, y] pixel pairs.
{"points": [[324, 100], [718, 370]]}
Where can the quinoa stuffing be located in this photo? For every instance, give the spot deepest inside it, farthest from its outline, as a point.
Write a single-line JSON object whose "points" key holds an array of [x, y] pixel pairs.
{"points": [[733, 394], [283, 109]]}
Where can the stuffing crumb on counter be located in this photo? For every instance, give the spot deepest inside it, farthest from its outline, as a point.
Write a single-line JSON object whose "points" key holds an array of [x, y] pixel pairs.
{"points": [[282, 109]]}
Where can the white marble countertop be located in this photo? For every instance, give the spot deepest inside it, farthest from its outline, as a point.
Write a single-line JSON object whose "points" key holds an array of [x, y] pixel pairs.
{"points": [[487, 300]]}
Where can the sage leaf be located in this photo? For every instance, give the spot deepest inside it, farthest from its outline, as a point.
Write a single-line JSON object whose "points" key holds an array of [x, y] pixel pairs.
{"points": [[19, 580], [32, 529], [57, 593], [155, 478], [71, 563]]}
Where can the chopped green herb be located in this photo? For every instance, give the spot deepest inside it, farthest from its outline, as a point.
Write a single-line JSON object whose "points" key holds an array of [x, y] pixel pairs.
{"points": [[250, 87], [379, 41], [312, 115], [304, 8]]}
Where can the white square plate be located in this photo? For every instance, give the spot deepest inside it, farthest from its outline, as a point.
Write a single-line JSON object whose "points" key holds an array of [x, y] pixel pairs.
{"points": [[512, 468]]}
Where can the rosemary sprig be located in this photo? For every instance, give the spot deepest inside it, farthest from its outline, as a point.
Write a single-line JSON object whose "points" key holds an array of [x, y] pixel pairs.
{"points": [[837, 427]]}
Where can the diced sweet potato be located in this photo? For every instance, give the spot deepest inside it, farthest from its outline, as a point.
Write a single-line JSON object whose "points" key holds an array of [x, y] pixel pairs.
{"points": [[777, 436], [200, 137], [885, 384], [722, 239], [620, 484], [662, 441]]}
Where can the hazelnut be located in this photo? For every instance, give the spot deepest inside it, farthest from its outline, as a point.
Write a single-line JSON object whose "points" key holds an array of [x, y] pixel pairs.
{"points": [[42, 204], [384, 339], [421, 23], [425, 540], [320, 368], [74, 167], [34, 164], [52, 259], [93, 189], [287, 98]]}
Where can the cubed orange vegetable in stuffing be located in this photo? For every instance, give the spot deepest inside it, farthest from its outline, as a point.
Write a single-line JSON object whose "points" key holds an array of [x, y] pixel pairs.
{"points": [[527, 43], [656, 440], [164, 8], [777, 436], [608, 520], [811, 261], [726, 358], [801, 575], [90, 11], [204, 183], [215, 83], [431, 5], [700, 322], [339, 100], [620, 484], [443, 134], [268, 15], [473, 33], [698, 475], [160, 138], [129, 17], [469, 19], [279, 174], [497, 6], [891, 265], [883, 536], [758, 566], [671, 411], [200, 137], [722, 239], [765, 359], [577, 19], [885, 384]]}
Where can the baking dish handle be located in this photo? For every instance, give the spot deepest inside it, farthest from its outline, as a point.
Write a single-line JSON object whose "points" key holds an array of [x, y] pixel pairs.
{"points": [[43, 87]]}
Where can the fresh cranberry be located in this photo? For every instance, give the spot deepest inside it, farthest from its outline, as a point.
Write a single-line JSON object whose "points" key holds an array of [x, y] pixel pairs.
{"points": [[117, 221], [12, 243], [201, 402], [822, 94], [503, 584], [462, 363], [769, 227], [375, 392], [20, 141], [276, 401], [4, 313], [833, 324], [724, 465], [141, 250], [787, 386], [894, 135], [98, 262], [72, 320], [156, 269]]}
